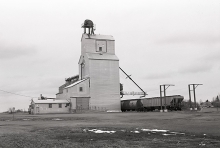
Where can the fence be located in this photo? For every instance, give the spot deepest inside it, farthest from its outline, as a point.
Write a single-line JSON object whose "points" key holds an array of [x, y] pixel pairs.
{"points": [[97, 108]]}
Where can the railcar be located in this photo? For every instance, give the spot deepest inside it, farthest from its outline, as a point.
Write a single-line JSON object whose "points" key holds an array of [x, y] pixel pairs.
{"points": [[149, 104], [132, 105], [171, 103]]}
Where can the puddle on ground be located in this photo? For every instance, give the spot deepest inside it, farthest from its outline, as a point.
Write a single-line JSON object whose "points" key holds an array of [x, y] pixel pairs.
{"points": [[154, 130], [100, 131], [26, 119], [169, 134], [57, 119], [137, 131]]}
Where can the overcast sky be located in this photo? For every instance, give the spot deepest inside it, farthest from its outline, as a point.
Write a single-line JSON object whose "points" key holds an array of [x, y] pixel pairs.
{"points": [[157, 42]]}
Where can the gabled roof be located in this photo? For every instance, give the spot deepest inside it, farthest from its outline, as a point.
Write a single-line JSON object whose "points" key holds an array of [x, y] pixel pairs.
{"points": [[103, 56], [49, 101], [77, 82]]}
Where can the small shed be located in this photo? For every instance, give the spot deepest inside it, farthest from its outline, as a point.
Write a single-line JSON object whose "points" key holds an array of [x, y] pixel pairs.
{"points": [[49, 106]]}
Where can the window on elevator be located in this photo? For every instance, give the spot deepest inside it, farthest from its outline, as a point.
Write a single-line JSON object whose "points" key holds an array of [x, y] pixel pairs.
{"points": [[81, 89]]}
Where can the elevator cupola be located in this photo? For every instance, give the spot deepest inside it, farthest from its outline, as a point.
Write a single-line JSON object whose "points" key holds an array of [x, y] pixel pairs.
{"points": [[88, 24]]}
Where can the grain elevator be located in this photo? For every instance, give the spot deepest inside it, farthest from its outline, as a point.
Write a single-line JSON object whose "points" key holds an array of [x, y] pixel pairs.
{"points": [[98, 80]]}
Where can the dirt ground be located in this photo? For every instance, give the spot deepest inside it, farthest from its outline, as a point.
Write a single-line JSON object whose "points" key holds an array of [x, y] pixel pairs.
{"points": [[129, 129]]}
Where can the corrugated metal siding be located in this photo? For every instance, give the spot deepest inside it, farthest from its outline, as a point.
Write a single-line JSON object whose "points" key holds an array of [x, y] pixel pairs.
{"points": [[103, 70], [111, 47], [104, 90], [86, 67], [88, 46], [73, 103]]}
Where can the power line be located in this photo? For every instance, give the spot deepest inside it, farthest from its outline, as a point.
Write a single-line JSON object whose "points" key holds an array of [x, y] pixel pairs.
{"points": [[153, 90], [17, 94], [170, 90]]}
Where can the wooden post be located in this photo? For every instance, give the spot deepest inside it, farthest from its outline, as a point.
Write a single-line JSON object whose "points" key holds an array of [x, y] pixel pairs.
{"points": [[165, 105], [190, 101], [194, 93]]}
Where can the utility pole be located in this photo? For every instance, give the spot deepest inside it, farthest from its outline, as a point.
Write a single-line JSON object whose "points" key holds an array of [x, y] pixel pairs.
{"points": [[161, 106], [217, 102], [190, 101], [164, 86], [194, 94]]}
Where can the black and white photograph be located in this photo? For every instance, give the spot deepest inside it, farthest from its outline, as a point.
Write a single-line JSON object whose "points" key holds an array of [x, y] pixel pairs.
{"points": [[109, 74]]}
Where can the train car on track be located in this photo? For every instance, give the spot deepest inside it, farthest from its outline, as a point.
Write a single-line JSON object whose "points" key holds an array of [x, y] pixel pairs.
{"points": [[149, 104], [171, 102], [132, 105]]}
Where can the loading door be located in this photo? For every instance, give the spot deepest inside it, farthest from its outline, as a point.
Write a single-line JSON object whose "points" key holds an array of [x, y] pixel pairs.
{"points": [[37, 110], [82, 103]]}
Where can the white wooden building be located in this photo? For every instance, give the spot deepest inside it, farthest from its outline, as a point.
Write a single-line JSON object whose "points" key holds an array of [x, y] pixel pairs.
{"points": [[49, 106]]}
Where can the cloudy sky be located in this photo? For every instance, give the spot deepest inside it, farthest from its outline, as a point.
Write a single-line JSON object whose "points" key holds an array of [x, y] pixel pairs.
{"points": [[157, 42]]}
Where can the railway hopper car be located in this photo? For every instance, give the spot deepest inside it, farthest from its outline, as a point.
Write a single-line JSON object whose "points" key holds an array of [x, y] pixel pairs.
{"points": [[149, 104], [171, 102], [132, 105]]}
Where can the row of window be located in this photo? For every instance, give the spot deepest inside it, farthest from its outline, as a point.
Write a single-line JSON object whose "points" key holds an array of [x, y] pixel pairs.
{"points": [[51, 105]]}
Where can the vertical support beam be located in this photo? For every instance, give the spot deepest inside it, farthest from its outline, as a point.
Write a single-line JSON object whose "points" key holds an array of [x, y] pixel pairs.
{"points": [[70, 106], [165, 103], [81, 71], [190, 101], [161, 105], [194, 92]]}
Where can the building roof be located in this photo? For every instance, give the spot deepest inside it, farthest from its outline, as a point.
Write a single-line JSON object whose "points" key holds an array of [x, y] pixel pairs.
{"points": [[103, 56], [98, 37], [49, 101], [101, 37], [77, 82]]}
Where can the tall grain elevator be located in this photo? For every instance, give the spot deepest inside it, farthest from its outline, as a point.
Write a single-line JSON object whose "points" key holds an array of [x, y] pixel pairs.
{"points": [[99, 63], [98, 81]]}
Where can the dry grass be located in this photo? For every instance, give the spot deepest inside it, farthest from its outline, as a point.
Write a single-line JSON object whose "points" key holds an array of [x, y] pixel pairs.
{"points": [[72, 130]]}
